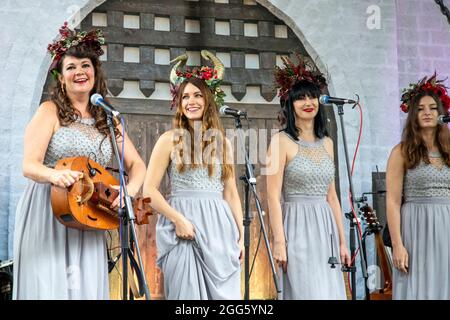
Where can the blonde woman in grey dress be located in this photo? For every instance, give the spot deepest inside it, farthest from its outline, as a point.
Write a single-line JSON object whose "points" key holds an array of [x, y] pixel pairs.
{"points": [[52, 261], [199, 229], [305, 213], [419, 170]]}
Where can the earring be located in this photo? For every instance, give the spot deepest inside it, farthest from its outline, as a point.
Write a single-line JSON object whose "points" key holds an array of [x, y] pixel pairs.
{"points": [[63, 89]]}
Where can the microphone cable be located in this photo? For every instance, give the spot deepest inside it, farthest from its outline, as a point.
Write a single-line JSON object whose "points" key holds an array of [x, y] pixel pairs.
{"points": [[121, 176], [361, 118]]}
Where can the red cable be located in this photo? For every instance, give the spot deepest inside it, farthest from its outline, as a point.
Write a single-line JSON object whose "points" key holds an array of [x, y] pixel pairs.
{"points": [[350, 195]]}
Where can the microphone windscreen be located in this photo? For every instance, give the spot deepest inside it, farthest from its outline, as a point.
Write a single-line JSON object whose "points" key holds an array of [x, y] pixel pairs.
{"points": [[323, 99], [95, 98], [222, 110]]}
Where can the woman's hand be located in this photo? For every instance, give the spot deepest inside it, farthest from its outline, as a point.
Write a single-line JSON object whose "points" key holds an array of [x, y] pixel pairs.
{"points": [[400, 258], [115, 204], [345, 256], [65, 178], [279, 254], [184, 229]]}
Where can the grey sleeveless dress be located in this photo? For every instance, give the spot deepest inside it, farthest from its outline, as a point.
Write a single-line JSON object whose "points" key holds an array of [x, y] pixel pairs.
{"points": [[425, 229], [309, 226], [208, 267], [52, 261]]}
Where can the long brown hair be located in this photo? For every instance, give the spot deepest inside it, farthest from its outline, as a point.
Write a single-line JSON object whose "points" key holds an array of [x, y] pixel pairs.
{"points": [[67, 114], [413, 146], [210, 120]]}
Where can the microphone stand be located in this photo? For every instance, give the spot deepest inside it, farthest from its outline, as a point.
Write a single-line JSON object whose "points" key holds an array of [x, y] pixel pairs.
{"points": [[127, 219], [250, 185], [349, 215], [364, 255]]}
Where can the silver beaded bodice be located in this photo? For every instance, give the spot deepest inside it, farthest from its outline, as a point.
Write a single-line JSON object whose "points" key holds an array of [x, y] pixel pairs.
{"points": [[310, 172], [195, 179], [427, 180], [79, 138]]}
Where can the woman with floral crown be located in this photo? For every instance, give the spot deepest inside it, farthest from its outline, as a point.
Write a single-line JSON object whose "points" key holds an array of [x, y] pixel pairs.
{"points": [[305, 213], [199, 229], [418, 171], [52, 261]]}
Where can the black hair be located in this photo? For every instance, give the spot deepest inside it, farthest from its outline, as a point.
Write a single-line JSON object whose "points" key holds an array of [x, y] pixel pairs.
{"points": [[300, 90]]}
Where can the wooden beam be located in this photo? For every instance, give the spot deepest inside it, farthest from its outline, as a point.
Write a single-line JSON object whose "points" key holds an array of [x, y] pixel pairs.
{"points": [[197, 41], [162, 107], [190, 9], [160, 73]]}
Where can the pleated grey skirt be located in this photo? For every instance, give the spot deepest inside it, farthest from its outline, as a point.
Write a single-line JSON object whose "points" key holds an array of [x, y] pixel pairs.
{"points": [[308, 223], [425, 225], [208, 267], [51, 261]]}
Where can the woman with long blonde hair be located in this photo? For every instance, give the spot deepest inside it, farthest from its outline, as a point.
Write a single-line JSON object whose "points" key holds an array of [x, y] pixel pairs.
{"points": [[199, 229]]}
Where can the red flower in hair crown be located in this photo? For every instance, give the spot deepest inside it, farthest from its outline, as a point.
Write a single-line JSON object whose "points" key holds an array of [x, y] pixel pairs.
{"points": [[425, 85], [70, 38], [290, 74]]}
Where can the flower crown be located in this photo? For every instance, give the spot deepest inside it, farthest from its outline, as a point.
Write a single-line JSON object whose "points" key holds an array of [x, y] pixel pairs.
{"points": [[290, 74], [69, 38], [212, 76], [425, 85]]}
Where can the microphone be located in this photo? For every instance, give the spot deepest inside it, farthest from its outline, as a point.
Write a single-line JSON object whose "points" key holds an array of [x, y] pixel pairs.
{"points": [[97, 100], [324, 99], [226, 110], [443, 119]]}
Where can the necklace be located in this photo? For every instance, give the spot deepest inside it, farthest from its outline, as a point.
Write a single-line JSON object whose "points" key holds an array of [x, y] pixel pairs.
{"points": [[434, 154]]}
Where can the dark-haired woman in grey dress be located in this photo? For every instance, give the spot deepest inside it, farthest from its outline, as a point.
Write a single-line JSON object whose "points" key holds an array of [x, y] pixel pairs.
{"points": [[419, 169], [52, 261], [307, 221], [199, 229]]}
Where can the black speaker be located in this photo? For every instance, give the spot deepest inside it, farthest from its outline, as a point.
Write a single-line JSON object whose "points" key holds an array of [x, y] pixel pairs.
{"points": [[379, 203]]}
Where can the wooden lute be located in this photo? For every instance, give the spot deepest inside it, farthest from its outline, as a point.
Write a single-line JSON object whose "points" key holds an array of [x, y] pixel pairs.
{"points": [[385, 293], [86, 204]]}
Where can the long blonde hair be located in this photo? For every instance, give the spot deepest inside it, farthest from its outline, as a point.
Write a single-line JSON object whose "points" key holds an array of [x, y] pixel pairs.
{"points": [[210, 120]]}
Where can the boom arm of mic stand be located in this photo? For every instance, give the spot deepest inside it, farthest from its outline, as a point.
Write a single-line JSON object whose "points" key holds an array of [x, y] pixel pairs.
{"points": [[128, 217]]}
